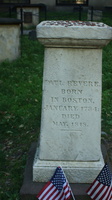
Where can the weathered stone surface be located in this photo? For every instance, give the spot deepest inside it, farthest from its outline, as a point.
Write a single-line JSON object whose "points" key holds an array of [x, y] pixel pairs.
{"points": [[70, 133], [76, 171], [9, 39], [71, 103], [73, 33]]}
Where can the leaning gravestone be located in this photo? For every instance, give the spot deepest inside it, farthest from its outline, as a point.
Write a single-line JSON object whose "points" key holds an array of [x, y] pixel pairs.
{"points": [[70, 133]]}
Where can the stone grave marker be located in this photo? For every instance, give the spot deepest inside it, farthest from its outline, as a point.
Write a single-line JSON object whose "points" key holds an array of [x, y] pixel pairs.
{"points": [[70, 133], [9, 38], [30, 14]]}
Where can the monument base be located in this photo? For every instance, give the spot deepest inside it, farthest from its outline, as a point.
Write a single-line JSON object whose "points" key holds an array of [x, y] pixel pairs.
{"points": [[76, 172], [30, 189]]}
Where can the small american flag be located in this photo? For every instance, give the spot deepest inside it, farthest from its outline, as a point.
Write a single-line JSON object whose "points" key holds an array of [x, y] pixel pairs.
{"points": [[57, 188], [101, 188]]}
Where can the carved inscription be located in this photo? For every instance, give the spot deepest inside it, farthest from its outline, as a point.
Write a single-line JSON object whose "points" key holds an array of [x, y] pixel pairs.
{"points": [[72, 83], [72, 103]]}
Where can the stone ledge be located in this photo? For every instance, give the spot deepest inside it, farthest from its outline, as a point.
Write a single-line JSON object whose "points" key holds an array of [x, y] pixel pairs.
{"points": [[73, 34], [76, 172], [74, 30], [9, 21], [72, 43], [30, 189]]}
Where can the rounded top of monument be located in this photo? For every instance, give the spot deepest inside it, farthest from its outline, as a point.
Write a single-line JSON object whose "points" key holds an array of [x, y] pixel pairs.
{"points": [[73, 23]]}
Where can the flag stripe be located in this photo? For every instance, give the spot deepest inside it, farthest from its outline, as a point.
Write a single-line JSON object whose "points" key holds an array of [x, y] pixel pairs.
{"points": [[54, 192], [101, 188], [50, 192], [54, 196], [43, 191], [110, 196], [67, 194], [92, 188], [58, 197], [108, 193], [57, 188], [46, 191], [95, 188], [43, 196], [67, 191], [62, 196], [100, 194], [104, 196], [96, 191]]}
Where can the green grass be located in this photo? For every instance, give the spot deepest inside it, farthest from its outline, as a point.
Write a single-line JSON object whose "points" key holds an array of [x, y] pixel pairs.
{"points": [[20, 106], [107, 89]]}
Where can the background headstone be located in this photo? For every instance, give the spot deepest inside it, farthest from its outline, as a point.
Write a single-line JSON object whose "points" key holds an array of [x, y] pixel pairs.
{"points": [[30, 15], [9, 38]]}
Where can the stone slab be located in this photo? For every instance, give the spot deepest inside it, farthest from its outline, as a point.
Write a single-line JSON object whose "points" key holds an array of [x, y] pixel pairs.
{"points": [[30, 189], [9, 39], [76, 172], [9, 21], [70, 106], [73, 33]]}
